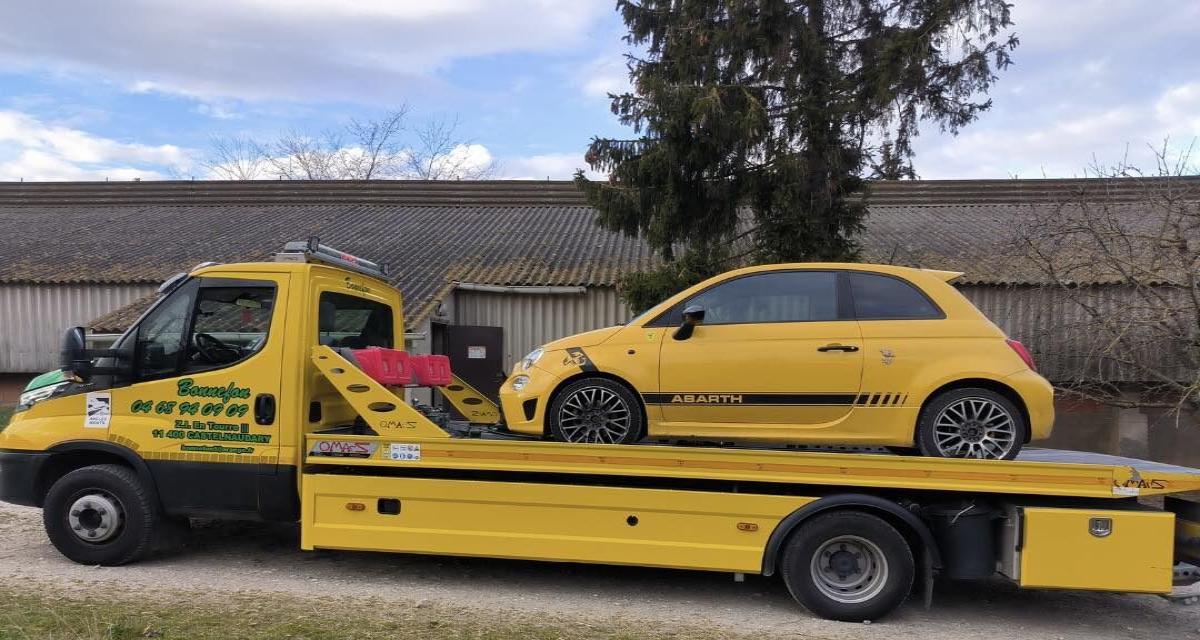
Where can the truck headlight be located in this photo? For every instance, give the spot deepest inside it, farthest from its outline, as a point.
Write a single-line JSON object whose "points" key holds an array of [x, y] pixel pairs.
{"points": [[519, 382], [532, 358], [30, 398]]}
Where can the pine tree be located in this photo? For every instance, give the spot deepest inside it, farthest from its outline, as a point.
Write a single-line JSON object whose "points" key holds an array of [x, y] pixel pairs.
{"points": [[756, 120]]}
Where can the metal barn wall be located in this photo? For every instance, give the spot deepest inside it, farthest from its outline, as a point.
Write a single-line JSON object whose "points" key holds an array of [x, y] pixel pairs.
{"points": [[34, 317], [1066, 341], [531, 320]]}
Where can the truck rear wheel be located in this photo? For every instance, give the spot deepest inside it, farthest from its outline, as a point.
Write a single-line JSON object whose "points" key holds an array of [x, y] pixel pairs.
{"points": [[101, 515], [848, 566]]}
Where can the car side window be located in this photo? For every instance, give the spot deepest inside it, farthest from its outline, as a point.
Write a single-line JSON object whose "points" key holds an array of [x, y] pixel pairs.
{"points": [[231, 324], [779, 296], [353, 322], [880, 297]]}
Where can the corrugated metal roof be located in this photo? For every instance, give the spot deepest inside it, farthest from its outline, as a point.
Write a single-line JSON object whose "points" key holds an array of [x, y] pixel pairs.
{"points": [[492, 232]]}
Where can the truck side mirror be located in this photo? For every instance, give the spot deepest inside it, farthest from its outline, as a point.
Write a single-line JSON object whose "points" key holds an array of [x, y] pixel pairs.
{"points": [[692, 316], [74, 359]]}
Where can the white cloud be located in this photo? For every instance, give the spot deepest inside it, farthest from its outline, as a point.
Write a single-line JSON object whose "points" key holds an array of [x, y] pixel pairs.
{"points": [[1068, 143], [374, 51], [552, 166], [34, 150], [604, 76], [1179, 108]]}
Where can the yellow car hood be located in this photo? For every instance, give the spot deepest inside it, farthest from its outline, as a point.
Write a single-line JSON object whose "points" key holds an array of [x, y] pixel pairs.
{"points": [[586, 339]]}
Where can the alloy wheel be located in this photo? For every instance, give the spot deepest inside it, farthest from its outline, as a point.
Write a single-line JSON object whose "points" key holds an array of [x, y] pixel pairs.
{"points": [[595, 415], [975, 427]]}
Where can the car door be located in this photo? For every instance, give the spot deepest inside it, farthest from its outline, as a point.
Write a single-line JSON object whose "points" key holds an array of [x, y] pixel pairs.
{"points": [[203, 407], [775, 350]]}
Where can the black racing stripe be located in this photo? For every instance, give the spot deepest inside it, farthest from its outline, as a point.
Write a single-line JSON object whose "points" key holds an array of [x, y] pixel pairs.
{"points": [[887, 397], [874, 399], [896, 400], [750, 399]]}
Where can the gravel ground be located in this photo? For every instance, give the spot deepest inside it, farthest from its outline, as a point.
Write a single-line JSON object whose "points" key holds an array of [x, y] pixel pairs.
{"points": [[264, 558]]}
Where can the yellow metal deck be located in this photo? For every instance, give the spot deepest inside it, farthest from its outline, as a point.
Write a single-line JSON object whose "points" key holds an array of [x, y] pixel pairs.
{"points": [[407, 440]]}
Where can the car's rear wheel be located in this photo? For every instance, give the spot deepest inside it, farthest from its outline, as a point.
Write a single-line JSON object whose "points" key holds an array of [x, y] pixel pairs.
{"points": [[595, 410], [971, 423]]}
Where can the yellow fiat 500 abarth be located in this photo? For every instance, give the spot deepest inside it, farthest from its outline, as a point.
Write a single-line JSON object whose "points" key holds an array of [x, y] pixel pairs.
{"points": [[793, 353]]}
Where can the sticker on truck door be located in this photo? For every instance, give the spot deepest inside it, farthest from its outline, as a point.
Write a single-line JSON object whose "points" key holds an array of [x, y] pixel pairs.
{"points": [[99, 410]]}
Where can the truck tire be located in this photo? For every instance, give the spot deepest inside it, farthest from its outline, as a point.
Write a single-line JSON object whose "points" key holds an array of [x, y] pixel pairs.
{"points": [[971, 423], [101, 515], [595, 410], [849, 566]]}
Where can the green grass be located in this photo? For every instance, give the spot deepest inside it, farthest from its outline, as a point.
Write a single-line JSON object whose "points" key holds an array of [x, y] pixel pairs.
{"points": [[94, 614]]}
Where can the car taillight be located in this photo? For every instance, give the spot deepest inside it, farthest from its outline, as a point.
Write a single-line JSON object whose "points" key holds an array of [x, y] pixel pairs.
{"points": [[1021, 351]]}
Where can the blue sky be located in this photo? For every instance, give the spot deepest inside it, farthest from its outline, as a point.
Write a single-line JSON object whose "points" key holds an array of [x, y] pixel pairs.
{"points": [[137, 88]]}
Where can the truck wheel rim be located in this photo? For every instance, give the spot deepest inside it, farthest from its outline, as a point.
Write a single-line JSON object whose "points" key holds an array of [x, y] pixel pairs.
{"points": [[974, 428], [849, 569], [95, 517], [594, 414]]}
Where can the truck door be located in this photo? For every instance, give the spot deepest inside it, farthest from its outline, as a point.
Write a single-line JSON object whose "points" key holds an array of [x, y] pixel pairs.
{"points": [[203, 406], [773, 349]]}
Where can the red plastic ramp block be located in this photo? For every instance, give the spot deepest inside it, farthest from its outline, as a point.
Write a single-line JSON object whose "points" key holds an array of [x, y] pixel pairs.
{"points": [[431, 370], [385, 366]]}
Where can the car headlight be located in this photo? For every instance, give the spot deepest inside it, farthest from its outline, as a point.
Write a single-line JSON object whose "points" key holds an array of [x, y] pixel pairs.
{"points": [[30, 398], [532, 358], [519, 382]]}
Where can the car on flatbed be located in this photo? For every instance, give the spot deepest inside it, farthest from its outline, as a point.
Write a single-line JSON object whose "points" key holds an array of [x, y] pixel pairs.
{"points": [[851, 354]]}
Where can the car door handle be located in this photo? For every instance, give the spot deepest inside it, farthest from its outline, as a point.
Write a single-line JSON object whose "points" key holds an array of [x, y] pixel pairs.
{"points": [[848, 348]]}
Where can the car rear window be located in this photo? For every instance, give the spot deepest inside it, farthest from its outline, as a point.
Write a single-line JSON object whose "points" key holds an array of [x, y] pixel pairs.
{"points": [[880, 297]]}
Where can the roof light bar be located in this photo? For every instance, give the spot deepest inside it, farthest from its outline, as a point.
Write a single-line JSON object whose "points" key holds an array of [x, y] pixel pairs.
{"points": [[312, 250]]}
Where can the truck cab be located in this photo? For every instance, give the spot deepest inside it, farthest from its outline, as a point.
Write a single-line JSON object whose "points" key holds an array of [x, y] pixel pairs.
{"points": [[208, 395]]}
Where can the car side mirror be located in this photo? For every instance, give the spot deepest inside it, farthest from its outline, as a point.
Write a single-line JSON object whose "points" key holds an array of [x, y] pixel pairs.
{"points": [[692, 315], [74, 359]]}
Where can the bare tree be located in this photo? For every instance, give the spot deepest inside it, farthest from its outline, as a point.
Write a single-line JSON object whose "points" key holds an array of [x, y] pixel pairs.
{"points": [[439, 153], [367, 149], [235, 158], [1133, 341], [299, 156], [379, 150]]}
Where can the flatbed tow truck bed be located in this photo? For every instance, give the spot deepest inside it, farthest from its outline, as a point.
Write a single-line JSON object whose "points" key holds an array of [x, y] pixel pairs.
{"points": [[1053, 519]]}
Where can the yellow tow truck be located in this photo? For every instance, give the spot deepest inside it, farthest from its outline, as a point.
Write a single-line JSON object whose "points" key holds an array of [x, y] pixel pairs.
{"points": [[274, 390]]}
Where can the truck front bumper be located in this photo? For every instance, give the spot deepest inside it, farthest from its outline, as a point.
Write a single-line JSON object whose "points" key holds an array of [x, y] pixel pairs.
{"points": [[19, 471]]}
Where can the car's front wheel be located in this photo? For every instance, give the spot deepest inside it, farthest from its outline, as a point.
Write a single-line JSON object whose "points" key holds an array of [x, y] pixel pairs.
{"points": [[971, 423], [595, 410]]}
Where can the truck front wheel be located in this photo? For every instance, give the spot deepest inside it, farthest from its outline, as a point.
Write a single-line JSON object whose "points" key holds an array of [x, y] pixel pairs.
{"points": [[101, 515], [848, 565]]}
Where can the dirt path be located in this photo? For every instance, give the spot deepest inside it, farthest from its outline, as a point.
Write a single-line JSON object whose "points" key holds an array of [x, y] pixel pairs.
{"points": [[247, 558]]}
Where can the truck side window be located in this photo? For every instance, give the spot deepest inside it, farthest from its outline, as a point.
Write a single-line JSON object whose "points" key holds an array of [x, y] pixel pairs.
{"points": [[231, 324], [353, 322], [160, 335]]}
